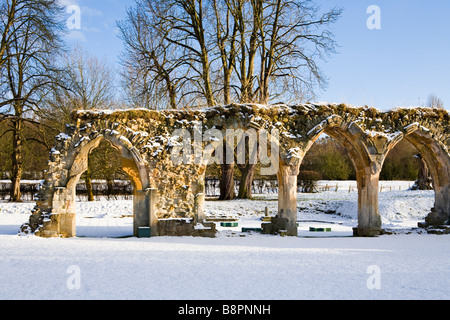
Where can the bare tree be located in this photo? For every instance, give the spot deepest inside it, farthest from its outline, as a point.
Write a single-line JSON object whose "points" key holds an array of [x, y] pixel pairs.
{"points": [[249, 17], [149, 62], [30, 42], [263, 49], [84, 83], [91, 81], [88, 83], [292, 37], [166, 46], [12, 17], [248, 51], [288, 37], [434, 102]]}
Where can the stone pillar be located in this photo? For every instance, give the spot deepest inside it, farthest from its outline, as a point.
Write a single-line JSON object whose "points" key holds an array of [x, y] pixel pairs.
{"points": [[199, 214], [440, 214], [62, 221], [446, 201], [144, 211], [369, 220], [437, 159], [287, 200]]}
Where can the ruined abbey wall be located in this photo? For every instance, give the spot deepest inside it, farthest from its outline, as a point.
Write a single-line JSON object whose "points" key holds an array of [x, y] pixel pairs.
{"points": [[168, 190]]}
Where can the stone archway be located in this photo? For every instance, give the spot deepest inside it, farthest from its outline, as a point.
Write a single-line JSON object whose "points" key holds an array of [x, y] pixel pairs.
{"points": [[132, 165], [367, 168], [169, 196], [438, 162], [367, 178], [55, 212]]}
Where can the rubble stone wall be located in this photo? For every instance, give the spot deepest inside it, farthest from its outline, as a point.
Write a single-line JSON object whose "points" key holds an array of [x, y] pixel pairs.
{"points": [[146, 140]]}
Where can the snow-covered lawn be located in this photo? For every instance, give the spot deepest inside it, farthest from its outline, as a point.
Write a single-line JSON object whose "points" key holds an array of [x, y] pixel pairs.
{"points": [[108, 264]]}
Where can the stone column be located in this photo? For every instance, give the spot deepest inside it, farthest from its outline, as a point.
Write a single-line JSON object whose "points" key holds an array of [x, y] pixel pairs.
{"points": [[287, 200], [437, 159], [199, 214], [144, 209], [440, 168], [64, 205], [369, 220], [440, 214]]}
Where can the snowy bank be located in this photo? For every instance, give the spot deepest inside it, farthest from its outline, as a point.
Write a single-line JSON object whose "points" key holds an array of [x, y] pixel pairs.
{"points": [[233, 265]]}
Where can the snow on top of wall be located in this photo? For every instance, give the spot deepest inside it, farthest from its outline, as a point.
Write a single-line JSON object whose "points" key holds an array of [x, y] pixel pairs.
{"points": [[421, 109], [388, 136], [251, 105], [62, 136]]}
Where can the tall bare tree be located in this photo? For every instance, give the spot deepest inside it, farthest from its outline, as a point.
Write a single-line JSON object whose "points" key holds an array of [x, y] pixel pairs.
{"points": [[149, 62], [30, 41], [248, 51], [85, 82], [434, 101], [293, 37], [88, 83], [166, 45], [285, 38]]}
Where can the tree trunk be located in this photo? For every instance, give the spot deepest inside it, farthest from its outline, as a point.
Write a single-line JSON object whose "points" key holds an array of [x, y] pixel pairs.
{"points": [[207, 82], [172, 96], [88, 181], [424, 181], [17, 162], [226, 88], [110, 185], [171, 89], [227, 182], [245, 186]]}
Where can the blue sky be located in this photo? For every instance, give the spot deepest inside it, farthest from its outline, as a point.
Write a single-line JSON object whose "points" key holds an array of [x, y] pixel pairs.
{"points": [[397, 65]]}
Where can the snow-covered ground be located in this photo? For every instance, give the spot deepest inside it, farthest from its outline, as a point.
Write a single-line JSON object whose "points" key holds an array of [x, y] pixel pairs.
{"points": [[104, 262]]}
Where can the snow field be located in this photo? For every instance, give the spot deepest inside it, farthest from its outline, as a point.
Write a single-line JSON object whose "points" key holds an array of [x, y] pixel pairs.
{"points": [[257, 267], [233, 265]]}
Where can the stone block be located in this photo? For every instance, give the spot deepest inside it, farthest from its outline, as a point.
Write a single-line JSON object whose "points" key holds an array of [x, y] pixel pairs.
{"points": [[208, 230], [366, 232], [435, 218], [175, 227], [144, 232]]}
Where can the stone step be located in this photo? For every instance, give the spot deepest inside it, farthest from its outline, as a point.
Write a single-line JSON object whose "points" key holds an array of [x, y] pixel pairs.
{"points": [[221, 219], [251, 229], [314, 229], [229, 224]]}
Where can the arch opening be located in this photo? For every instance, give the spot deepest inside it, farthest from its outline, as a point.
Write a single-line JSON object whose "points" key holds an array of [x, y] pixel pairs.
{"points": [[369, 221], [326, 185], [366, 170], [438, 163], [130, 164], [242, 146]]}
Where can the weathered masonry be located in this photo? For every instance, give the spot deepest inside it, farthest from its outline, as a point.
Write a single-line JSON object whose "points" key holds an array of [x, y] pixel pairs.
{"points": [[169, 195]]}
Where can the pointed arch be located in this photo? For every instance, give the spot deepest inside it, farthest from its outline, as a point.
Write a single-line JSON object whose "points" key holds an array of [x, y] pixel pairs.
{"points": [[55, 213], [437, 158], [367, 167]]}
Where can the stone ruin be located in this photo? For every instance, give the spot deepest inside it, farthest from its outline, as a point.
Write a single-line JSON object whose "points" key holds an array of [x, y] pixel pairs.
{"points": [[169, 195]]}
